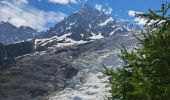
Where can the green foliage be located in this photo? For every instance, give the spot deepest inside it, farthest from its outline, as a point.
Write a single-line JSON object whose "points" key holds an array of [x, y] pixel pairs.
{"points": [[146, 71]]}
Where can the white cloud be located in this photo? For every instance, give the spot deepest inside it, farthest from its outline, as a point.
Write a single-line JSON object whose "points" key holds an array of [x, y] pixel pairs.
{"points": [[63, 1], [139, 21], [20, 14], [17, 21], [106, 11], [23, 1], [98, 7], [131, 13]]}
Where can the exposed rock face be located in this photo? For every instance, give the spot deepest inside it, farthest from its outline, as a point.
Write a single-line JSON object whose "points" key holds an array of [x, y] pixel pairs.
{"points": [[17, 49], [37, 76], [89, 24], [10, 33], [90, 83], [64, 60], [80, 27], [84, 26], [9, 52]]}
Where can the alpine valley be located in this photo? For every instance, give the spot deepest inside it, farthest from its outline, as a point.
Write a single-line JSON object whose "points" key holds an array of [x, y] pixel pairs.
{"points": [[64, 62]]}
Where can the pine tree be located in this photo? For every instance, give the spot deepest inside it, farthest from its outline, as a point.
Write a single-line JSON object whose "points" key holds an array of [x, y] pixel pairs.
{"points": [[145, 74]]}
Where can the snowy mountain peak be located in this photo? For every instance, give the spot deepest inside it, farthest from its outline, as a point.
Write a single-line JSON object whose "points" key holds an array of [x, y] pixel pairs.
{"points": [[86, 7], [10, 34], [89, 24]]}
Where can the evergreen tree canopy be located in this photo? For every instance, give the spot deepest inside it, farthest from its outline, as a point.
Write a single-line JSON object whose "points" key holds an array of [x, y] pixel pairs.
{"points": [[145, 74]]}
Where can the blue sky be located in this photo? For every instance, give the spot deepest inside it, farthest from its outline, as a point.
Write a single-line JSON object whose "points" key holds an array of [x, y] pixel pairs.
{"points": [[42, 14], [120, 7]]}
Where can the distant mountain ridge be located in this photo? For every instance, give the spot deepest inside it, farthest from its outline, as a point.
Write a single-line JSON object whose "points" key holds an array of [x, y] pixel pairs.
{"points": [[85, 25], [10, 34], [89, 24], [68, 56]]}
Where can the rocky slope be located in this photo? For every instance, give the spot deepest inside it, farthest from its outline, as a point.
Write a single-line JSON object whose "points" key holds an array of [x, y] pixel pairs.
{"points": [[10, 34], [41, 74], [89, 24], [67, 63], [9, 52], [83, 26], [90, 83]]}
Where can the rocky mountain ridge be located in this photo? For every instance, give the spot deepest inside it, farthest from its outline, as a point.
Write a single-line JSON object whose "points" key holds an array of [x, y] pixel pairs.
{"points": [[10, 34], [82, 26], [38, 75], [89, 24], [67, 62]]}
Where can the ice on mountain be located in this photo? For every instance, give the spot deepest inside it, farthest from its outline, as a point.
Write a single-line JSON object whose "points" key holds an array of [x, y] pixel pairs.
{"points": [[95, 36], [82, 35], [72, 23], [106, 21], [77, 98], [68, 28]]}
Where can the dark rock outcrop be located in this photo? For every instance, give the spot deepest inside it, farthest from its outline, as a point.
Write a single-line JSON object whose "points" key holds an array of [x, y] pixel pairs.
{"points": [[38, 75], [8, 53]]}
